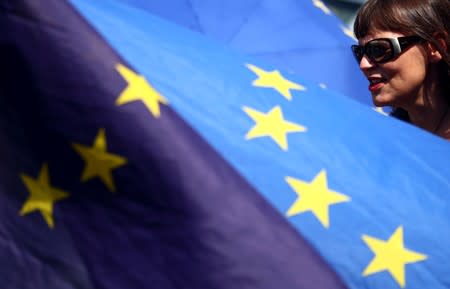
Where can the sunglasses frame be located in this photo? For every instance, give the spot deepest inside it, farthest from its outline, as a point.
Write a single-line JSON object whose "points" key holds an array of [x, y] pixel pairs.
{"points": [[398, 46]]}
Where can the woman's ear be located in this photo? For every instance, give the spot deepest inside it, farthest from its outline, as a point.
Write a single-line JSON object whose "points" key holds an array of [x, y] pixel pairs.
{"points": [[434, 53]]}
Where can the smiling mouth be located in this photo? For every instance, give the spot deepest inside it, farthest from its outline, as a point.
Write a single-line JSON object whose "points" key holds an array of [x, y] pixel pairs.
{"points": [[374, 81]]}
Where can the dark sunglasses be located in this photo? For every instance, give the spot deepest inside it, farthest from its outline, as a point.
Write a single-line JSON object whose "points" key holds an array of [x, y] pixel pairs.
{"points": [[382, 50]]}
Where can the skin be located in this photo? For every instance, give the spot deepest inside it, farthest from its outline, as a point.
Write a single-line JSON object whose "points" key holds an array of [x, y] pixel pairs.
{"points": [[410, 82]]}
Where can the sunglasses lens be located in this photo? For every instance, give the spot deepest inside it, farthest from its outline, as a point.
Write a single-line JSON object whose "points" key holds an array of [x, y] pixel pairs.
{"points": [[358, 52], [379, 50]]}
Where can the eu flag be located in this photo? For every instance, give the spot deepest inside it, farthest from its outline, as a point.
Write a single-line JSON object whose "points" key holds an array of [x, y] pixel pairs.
{"points": [[137, 154], [103, 185]]}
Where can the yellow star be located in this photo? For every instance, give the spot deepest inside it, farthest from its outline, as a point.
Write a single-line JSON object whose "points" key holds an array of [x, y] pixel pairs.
{"points": [[380, 110], [99, 163], [271, 124], [42, 195], [319, 4], [391, 256], [314, 197], [139, 89], [274, 79], [348, 32]]}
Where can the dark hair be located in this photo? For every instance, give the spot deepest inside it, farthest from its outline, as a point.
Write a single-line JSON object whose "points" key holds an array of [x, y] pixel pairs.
{"points": [[424, 18]]}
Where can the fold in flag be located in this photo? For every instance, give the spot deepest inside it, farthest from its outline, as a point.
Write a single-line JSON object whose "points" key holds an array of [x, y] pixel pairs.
{"points": [[136, 154]]}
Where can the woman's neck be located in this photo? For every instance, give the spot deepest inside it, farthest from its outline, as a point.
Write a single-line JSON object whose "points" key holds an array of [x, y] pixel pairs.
{"points": [[428, 118], [431, 108], [444, 128]]}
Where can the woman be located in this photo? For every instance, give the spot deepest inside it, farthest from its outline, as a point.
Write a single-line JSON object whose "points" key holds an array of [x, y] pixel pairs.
{"points": [[404, 53]]}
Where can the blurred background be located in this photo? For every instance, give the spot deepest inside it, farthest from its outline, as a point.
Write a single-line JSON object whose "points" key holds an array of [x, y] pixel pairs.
{"points": [[345, 9]]}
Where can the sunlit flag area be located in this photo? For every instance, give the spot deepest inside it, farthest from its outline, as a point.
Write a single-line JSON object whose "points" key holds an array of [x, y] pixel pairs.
{"points": [[207, 144]]}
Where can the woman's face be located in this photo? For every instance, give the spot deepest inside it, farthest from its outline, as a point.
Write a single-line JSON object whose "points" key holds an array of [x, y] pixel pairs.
{"points": [[399, 82]]}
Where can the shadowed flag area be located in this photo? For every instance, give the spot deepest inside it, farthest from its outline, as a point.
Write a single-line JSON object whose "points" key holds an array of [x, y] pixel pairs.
{"points": [[138, 154]]}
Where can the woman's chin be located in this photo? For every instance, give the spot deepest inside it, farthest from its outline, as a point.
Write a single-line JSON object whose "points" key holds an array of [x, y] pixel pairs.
{"points": [[381, 100]]}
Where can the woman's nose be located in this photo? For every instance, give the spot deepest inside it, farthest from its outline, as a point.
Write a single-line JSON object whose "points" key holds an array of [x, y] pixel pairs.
{"points": [[365, 63]]}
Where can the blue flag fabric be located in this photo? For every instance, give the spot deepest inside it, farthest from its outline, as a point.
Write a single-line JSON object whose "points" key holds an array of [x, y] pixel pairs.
{"points": [[381, 182], [103, 185], [303, 37], [137, 197]]}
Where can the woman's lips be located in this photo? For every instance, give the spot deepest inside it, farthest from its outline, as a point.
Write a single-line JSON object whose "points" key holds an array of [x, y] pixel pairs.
{"points": [[375, 83], [373, 87]]}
